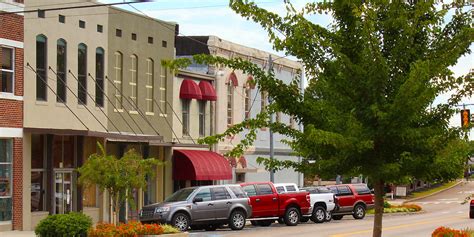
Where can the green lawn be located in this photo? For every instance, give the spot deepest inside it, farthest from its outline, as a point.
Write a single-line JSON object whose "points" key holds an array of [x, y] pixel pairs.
{"points": [[432, 190]]}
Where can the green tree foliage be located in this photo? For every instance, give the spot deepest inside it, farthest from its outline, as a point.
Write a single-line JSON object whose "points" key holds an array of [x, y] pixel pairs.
{"points": [[374, 75], [117, 176]]}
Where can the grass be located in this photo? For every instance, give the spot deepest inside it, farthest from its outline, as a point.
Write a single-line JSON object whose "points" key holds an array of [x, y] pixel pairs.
{"points": [[432, 190]]}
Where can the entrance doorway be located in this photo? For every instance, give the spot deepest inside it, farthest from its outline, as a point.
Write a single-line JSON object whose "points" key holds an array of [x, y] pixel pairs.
{"points": [[63, 191]]}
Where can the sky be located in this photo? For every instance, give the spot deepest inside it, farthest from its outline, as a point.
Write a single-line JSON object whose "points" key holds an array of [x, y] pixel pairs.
{"points": [[214, 17]]}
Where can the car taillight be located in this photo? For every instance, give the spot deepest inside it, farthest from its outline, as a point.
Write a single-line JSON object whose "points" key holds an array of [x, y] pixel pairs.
{"points": [[308, 198]]}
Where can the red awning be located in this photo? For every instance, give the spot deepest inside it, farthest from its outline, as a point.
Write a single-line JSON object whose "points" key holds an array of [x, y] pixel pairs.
{"points": [[200, 165], [208, 92], [189, 90], [233, 78]]}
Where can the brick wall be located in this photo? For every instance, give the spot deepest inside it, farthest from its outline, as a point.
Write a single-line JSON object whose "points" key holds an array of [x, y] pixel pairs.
{"points": [[17, 184], [11, 113], [11, 27]]}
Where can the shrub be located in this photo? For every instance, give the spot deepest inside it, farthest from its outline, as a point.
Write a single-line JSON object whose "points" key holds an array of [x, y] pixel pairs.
{"points": [[72, 224], [448, 232], [413, 207], [169, 229], [131, 229], [386, 204]]}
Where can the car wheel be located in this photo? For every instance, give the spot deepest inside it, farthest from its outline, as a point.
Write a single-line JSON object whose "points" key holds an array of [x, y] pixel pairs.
{"points": [[328, 216], [304, 219], [359, 212], [210, 228], [292, 216], [180, 221], [265, 223], [337, 217], [281, 220], [318, 215], [237, 220]]}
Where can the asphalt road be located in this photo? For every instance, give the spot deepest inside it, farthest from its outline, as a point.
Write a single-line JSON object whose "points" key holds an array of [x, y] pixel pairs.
{"points": [[443, 209]]}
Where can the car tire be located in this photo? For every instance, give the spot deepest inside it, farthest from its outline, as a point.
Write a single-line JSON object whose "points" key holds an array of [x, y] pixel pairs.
{"points": [[265, 223], [328, 216], [292, 216], [319, 214], [237, 220], [359, 212], [338, 217], [210, 228], [181, 221], [304, 219], [281, 220]]}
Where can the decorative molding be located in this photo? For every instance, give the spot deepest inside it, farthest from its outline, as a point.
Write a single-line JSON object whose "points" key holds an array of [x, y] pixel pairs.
{"points": [[10, 96], [11, 43], [11, 132]]}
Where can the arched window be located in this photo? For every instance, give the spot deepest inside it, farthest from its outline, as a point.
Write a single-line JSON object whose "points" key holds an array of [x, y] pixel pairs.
{"points": [[230, 102], [248, 96], [134, 79], [61, 68], [82, 74], [41, 62], [118, 79], [150, 85], [99, 77], [163, 85]]}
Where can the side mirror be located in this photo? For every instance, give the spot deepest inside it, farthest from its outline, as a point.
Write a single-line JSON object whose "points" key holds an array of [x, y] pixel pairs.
{"points": [[197, 199]]}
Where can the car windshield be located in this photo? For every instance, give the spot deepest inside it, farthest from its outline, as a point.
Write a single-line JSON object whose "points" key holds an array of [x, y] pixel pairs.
{"points": [[180, 195]]}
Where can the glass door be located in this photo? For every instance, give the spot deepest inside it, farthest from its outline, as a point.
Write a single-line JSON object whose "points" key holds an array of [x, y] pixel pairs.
{"points": [[63, 191]]}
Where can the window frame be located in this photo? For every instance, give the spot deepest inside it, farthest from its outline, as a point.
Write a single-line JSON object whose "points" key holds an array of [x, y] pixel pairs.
{"points": [[99, 78], [118, 72], [59, 72], [230, 103], [185, 114], [202, 118], [247, 101], [150, 86], [12, 71], [163, 90], [42, 73], [9, 147], [82, 78], [133, 83]]}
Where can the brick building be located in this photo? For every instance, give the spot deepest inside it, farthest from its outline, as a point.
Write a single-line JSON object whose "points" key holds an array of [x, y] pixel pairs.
{"points": [[11, 116]]}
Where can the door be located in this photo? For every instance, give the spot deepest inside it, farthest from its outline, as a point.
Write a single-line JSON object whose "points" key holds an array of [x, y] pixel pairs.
{"points": [[202, 211], [346, 198], [268, 200], [63, 188], [222, 202], [251, 192]]}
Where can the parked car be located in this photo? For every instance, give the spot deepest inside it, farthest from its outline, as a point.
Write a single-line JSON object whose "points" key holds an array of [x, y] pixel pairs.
{"points": [[205, 207], [471, 210], [268, 205], [321, 200], [351, 199]]}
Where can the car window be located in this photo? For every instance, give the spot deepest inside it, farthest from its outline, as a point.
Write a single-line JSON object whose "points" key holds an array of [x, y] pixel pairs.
{"points": [[180, 195], [323, 190], [343, 191], [220, 193], [290, 188], [238, 191], [250, 190], [280, 189], [362, 189], [264, 189], [205, 194], [333, 189]]}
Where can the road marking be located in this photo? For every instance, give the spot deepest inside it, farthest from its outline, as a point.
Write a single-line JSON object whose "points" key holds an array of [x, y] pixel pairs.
{"points": [[397, 226]]}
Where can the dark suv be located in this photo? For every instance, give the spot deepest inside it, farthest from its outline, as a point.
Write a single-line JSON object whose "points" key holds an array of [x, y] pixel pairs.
{"points": [[351, 199], [204, 207]]}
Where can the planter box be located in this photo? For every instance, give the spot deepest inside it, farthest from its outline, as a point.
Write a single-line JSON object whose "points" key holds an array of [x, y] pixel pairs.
{"points": [[183, 234]]}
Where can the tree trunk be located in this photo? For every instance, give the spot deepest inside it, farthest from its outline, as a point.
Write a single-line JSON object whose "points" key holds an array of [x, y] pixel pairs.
{"points": [[379, 192]]}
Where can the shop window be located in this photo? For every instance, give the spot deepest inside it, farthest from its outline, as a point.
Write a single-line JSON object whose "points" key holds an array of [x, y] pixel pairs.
{"points": [[99, 77], [6, 173], [61, 67], [63, 152], [38, 173], [82, 74], [7, 72], [41, 62]]}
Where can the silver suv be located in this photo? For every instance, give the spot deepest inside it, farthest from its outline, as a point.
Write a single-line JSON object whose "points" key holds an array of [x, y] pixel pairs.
{"points": [[205, 207]]}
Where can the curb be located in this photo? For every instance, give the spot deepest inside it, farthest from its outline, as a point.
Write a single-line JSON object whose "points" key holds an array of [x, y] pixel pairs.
{"points": [[401, 213], [431, 194]]}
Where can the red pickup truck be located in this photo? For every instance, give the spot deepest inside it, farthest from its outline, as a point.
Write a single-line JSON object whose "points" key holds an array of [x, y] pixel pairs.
{"points": [[351, 199], [268, 205]]}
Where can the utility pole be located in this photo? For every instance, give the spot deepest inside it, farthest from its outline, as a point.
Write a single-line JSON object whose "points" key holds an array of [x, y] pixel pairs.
{"points": [[270, 100]]}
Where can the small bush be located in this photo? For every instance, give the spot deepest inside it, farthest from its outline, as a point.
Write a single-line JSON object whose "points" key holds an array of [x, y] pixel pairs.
{"points": [[386, 204], [448, 232], [72, 224], [168, 229], [131, 229]]}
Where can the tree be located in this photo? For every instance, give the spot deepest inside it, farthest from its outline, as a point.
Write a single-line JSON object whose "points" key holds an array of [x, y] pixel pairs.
{"points": [[117, 176], [374, 75]]}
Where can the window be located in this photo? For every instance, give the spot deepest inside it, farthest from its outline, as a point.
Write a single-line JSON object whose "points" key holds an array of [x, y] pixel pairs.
{"points": [[118, 79], [263, 102], [205, 194], [238, 191], [82, 24], [62, 19], [41, 13], [150, 40], [134, 80], [163, 85], [185, 111], [247, 101], [290, 188], [38, 173], [230, 102], [220, 193], [134, 36], [264, 189], [61, 68], [362, 189], [292, 122], [202, 118], [82, 74], [150, 85], [250, 190], [280, 189], [99, 77], [100, 28], [343, 191], [6, 173], [118, 32], [41, 62], [278, 117], [7, 70], [164, 44]]}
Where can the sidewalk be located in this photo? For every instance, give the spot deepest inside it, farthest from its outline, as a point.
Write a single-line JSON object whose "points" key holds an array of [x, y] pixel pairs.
{"points": [[17, 233]]}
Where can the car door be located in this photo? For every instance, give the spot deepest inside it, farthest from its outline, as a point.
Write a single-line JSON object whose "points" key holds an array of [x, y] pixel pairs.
{"points": [[346, 198], [251, 192], [222, 202], [203, 211], [267, 199]]}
